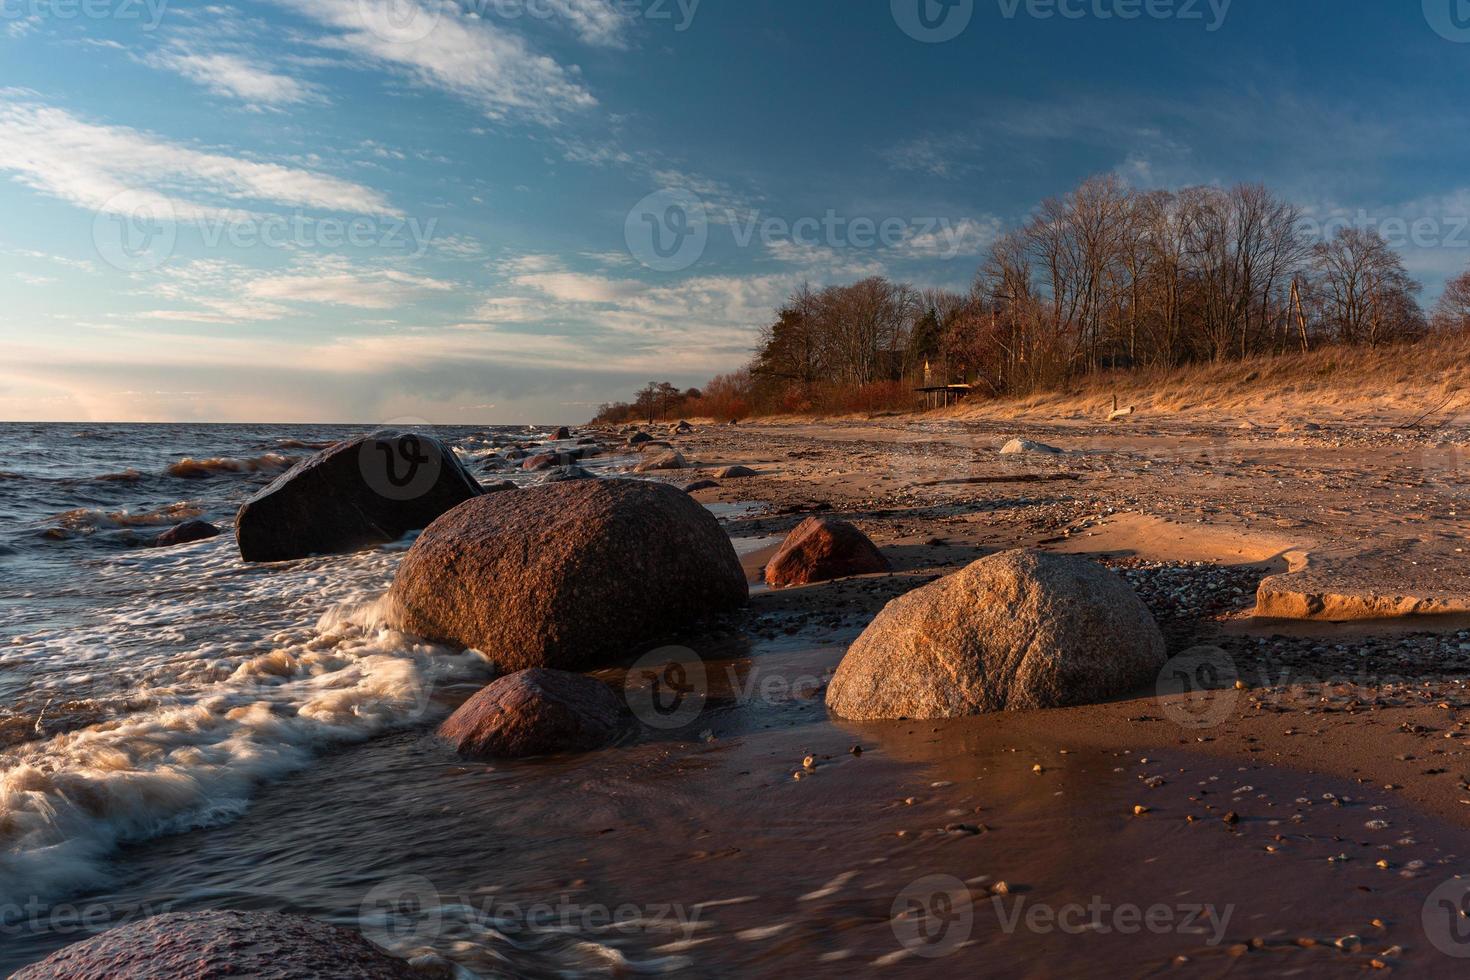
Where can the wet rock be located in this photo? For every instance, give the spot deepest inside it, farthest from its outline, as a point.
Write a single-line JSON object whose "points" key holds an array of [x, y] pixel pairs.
{"points": [[570, 575], [671, 460], [561, 433], [735, 473], [1014, 631], [210, 945], [359, 493], [186, 533], [821, 549], [535, 464], [699, 485], [680, 428], [535, 712], [571, 472], [638, 438]]}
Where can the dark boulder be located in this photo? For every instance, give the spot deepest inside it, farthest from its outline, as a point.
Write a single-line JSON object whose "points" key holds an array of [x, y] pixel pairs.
{"points": [[570, 575], [821, 549], [359, 493], [699, 485], [186, 533], [219, 945], [535, 712], [561, 433]]}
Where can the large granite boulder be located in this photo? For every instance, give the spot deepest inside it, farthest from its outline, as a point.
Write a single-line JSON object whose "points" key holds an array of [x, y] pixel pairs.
{"points": [[821, 549], [570, 575], [357, 494], [535, 712], [218, 945], [1014, 631]]}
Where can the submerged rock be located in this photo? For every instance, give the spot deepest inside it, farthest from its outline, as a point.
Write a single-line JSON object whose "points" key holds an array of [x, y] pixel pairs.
{"points": [[359, 493], [821, 549], [1014, 631], [210, 945], [186, 533], [570, 575], [535, 712]]}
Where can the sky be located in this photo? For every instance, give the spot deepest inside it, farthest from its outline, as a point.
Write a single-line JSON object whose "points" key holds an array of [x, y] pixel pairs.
{"points": [[497, 211]]}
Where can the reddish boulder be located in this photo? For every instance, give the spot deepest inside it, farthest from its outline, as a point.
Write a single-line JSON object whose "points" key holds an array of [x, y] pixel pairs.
{"points": [[535, 712], [569, 575], [821, 549], [210, 945]]}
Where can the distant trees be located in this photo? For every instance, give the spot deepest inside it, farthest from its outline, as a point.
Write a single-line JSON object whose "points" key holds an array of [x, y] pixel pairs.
{"points": [[1102, 278], [1367, 296], [1453, 311]]}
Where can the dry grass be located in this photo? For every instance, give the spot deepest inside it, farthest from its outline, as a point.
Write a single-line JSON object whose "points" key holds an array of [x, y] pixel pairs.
{"points": [[1401, 381]]}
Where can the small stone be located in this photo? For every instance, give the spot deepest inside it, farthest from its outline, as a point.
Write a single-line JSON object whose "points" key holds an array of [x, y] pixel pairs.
{"points": [[1139, 810], [1232, 818]]}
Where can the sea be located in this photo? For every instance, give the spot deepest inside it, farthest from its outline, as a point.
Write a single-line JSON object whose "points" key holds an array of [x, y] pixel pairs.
{"points": [[149, 694]]}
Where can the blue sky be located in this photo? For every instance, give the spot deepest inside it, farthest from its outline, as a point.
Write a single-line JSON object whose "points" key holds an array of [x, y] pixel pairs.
{"points": [[389, 210]]}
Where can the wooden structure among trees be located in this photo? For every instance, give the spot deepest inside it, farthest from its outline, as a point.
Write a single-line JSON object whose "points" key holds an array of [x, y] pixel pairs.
{"points": [[942, 396]]}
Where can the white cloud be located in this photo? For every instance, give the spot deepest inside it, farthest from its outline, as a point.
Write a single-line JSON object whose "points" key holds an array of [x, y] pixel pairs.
{"points": [[442, 48], [233, 75], [90, 165], [365, 290]]}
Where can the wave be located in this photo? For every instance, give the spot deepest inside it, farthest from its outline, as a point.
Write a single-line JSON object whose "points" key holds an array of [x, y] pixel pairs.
{"points": [[85, 520], [189, 468], [67, 803], [128, 475]]}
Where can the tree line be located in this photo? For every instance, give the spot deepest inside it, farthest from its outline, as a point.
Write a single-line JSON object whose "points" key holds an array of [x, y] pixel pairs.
{"points": [[1106, 277]]}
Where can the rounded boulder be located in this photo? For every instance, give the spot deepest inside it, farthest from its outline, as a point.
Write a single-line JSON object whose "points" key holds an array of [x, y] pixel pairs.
{"points": [[821, 549], [535, 712], [570, 575], [1019, 630], [209, 945]]}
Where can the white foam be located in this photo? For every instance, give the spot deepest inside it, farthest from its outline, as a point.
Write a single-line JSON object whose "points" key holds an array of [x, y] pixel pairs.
{"points": [[66, 803]]}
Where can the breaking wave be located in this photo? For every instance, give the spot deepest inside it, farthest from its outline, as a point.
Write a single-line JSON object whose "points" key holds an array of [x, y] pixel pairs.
{"points": [[189, 468], [193, 761]]}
